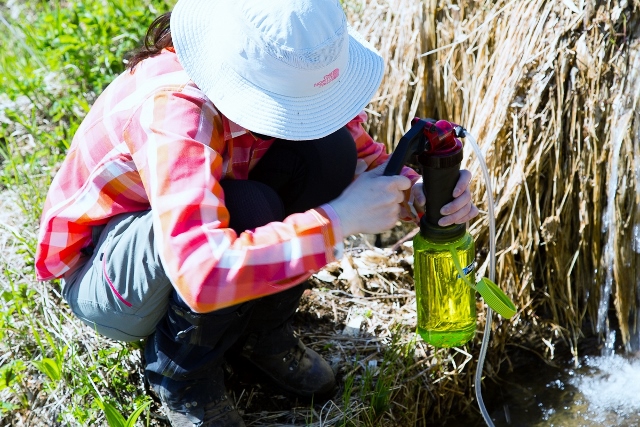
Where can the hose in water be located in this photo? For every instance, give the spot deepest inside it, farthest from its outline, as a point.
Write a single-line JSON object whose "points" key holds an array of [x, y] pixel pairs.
{"points": [[492, 274]]}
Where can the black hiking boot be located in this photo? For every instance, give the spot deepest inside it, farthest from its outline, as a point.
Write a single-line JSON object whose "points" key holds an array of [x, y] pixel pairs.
{"points": [[196, 403], [298, 369]]}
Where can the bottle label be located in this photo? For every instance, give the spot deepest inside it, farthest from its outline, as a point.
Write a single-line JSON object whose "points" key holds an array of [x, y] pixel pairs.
{"points": [[468, 269]]}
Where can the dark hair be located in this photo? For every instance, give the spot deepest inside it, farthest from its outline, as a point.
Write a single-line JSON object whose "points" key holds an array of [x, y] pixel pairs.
{"points": [[158, 37]]}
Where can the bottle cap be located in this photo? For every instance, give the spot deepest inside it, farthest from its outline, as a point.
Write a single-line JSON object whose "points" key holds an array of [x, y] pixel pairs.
{"points": [[440, 234], [495, 298]]}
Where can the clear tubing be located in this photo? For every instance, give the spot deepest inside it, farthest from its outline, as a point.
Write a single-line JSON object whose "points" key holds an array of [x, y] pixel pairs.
{"points": [[492, 274]]}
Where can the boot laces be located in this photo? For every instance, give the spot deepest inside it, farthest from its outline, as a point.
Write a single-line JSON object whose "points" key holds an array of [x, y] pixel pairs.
{"points": [[217, 409], [294, 355]]}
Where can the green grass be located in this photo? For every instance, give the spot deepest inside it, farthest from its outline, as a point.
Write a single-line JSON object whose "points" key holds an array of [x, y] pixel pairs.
{"points": [[61, 56]]}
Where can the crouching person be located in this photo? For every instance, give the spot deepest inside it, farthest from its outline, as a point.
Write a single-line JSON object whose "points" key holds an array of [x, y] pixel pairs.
{"points": [[210, 180]]}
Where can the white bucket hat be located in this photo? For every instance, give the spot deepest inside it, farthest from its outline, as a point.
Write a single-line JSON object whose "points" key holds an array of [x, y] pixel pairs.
{"points": [[291, 69]]}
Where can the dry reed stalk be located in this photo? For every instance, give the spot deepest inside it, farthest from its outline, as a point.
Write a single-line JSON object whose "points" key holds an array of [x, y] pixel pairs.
{"points": [[550, 89], [394, 28]]}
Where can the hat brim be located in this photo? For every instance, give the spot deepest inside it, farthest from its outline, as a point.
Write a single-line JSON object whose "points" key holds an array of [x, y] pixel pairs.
{"points": [[261, 111]]}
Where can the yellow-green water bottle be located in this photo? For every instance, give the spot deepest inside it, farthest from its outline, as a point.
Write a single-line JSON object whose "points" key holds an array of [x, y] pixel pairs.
{"points": [[446, 304]]}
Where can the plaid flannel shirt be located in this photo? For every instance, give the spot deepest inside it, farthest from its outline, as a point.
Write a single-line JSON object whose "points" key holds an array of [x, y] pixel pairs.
{"points": [[153, 140]]}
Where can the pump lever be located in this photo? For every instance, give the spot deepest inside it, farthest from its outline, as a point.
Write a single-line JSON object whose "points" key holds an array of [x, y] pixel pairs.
{"points": [[412, 142]]}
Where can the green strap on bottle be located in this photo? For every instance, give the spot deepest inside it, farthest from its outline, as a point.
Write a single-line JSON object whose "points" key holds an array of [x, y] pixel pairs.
{"points": [[490, 292]]}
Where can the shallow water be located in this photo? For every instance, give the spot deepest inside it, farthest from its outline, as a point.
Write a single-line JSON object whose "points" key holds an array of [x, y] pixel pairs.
{"points": [[602, 391]]}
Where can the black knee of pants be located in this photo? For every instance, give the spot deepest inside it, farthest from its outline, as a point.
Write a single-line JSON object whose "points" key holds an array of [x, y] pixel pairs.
{"points": [[251, 204], [307, 174]]}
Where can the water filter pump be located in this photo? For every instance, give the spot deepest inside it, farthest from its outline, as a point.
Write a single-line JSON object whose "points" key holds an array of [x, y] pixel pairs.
{"points": [[444, 257]]}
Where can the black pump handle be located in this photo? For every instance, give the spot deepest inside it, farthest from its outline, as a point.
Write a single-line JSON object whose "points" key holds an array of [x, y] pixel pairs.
{"points": [[411, 143]]}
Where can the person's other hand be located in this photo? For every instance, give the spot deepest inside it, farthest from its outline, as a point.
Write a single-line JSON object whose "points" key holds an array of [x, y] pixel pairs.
{"points": [[461, 209], [371, 203], [417, 195]]}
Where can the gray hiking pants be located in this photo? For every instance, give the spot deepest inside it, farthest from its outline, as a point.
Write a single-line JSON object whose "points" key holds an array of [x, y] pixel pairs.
{"points": [[122, 290]]}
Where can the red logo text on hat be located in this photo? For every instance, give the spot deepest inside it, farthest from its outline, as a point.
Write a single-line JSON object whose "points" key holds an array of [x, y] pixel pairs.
{"points": [[328, 78]]}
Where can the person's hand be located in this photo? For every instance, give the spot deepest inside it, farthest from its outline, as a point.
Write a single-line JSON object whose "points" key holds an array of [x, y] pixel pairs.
{"points": [[417, 196], [371, 203], [461, 209]]}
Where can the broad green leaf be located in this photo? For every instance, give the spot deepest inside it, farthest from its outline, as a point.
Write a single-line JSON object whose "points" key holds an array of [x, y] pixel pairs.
{"points": [[136, 414], [114, 417], [10, 373], [51, 367]]}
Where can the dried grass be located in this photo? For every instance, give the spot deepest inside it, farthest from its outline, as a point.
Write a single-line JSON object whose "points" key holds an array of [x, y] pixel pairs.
{"points": [[550, 90]]}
